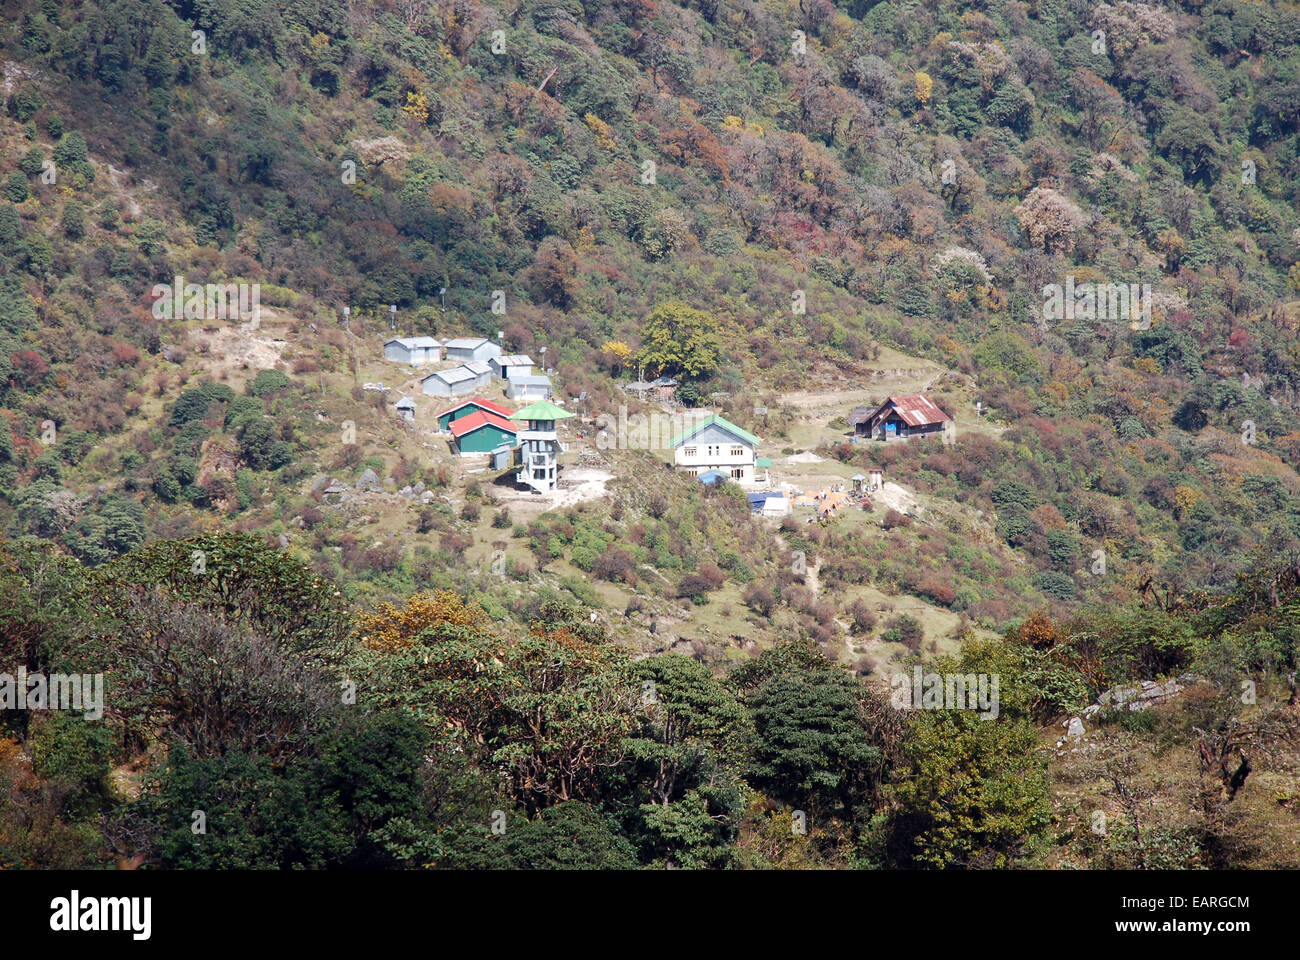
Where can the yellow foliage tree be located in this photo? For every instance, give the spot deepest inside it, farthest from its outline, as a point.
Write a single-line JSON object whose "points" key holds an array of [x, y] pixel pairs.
{"points": [[1185, 498], [617, 352], [392, 628], [604, 133], [924, 87], [417, 107]]}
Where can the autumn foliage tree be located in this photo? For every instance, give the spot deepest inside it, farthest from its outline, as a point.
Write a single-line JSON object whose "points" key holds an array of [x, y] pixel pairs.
{"points": [[1050, 220]]}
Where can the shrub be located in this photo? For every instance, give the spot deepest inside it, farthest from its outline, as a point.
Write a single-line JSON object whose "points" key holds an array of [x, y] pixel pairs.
{"points": [[695, 587], [1054, 584], [760, 598], [894, 519], [862, 619], [616, 566], [907, 630], [268, 381]]}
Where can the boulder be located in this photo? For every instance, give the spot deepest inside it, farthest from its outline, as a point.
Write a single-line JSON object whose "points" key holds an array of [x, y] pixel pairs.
{"points": [[1123, 695], [1074, 727], [369, 480]]}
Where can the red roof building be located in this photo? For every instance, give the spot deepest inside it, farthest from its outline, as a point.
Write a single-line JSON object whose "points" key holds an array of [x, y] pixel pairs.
{"points": [[904, 417], [466, 407], [483, 431]]}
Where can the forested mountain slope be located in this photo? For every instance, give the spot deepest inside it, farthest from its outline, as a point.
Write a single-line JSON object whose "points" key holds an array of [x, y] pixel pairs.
{"points": [[766, 200]]}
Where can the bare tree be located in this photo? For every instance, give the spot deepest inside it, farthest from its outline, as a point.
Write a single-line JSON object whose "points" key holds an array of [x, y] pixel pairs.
{"points": [[214, 685]]}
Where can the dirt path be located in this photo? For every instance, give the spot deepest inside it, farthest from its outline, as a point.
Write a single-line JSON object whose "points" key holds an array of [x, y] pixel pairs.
{"points": [[118, 178], [811, 580]]}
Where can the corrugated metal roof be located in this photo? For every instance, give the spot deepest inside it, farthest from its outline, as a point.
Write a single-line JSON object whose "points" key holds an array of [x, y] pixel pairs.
{"points": [[533, 381], [476, 367], [726, 425], [480, 418], [915, 409], [481, 404], [454, 375], [514, 360], [465, 343], [415, 342]]}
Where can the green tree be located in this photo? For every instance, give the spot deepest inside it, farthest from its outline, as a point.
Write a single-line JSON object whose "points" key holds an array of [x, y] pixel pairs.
{"points": [[676, 338], [268, 381], [16, 188], [74, 221], [822, 741], [971, 792], [684, 754]]}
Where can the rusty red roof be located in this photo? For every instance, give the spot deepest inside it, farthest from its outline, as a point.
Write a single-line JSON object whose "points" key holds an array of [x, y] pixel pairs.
{"points": [[915, 409]]}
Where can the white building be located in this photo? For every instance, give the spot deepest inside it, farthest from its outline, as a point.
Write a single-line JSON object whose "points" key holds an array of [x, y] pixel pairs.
{"points": [[539, 446], [415, 350], [528, 389], [472, 348], [456, 382], [481, 371], [405, 409], [511, 365], [770, 504], [716, 444]]}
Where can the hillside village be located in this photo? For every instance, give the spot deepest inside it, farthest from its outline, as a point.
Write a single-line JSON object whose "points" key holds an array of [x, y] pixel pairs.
{"points": [[477, 435]]}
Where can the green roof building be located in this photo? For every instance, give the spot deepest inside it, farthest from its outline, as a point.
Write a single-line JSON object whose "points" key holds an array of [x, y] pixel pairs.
{"points": [[539, 445]]}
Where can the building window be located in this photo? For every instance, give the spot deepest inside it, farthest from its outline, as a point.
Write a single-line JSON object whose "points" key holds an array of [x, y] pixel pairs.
{"points": [[689, 452], [737, 451], [738, 473]]}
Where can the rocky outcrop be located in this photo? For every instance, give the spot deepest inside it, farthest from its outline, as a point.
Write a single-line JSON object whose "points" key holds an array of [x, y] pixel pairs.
{"points": [[1138, 696]]}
